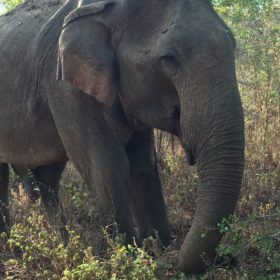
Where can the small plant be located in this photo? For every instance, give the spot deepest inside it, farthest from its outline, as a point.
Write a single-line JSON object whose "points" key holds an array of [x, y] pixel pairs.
{"points": [[255, 241]]}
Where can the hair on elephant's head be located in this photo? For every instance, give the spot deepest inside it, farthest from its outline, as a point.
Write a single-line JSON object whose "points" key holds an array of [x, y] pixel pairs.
{"points": [[171, 62]]}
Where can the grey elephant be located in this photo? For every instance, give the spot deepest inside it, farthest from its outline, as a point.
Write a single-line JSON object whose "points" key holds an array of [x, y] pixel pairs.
{"points": [[88, 82]]}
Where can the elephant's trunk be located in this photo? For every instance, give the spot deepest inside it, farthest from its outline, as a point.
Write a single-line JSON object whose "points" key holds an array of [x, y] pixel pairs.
{"points": [[213, 131]]}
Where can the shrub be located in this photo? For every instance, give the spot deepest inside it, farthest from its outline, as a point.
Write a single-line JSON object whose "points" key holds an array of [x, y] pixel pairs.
{"points": [[36, 252]]}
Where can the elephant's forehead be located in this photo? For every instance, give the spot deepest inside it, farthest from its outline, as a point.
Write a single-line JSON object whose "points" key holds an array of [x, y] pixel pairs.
{"points": [[143, 20]]}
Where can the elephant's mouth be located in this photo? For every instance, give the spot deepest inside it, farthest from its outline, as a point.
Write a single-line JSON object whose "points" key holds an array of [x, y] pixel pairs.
{"points": [[189, 154], [176, 116]]}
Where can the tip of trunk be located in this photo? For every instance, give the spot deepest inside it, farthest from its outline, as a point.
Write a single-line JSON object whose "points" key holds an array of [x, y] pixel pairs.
{"points": [[198, 251]]}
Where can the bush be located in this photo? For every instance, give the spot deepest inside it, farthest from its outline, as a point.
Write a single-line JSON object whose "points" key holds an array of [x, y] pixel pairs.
{"points": [[255, 241], [35, 251]]}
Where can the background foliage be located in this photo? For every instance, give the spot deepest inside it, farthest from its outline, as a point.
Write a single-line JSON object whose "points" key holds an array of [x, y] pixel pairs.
{"points": [[252, 235], [10, 4]]}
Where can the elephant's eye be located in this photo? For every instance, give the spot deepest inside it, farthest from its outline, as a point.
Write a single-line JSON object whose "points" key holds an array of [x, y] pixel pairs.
{"points": [[170, 65]]}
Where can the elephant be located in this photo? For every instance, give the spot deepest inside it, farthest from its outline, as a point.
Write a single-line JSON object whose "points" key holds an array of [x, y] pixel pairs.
{"points": [[88, 81]]}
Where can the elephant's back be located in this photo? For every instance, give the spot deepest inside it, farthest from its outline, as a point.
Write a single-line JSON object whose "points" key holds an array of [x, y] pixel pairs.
{"points": [[25, 21], [19, 29], [39, 10], [19, 32]]}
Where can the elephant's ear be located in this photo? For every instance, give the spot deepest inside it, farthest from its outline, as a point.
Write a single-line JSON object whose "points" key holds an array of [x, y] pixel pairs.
{"points": [[85, 56]]}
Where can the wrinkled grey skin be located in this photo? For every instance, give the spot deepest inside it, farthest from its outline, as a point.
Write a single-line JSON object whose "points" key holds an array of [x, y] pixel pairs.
{"points": [[123, 68]]}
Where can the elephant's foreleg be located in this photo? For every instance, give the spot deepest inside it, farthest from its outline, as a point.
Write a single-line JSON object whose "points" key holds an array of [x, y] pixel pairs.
{"points": [[48, 178], [145, 189], [4, 213], [97, 154]]}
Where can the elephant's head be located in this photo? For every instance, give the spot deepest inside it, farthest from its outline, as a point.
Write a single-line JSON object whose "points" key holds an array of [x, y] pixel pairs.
{"points": [[171, 62]]}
